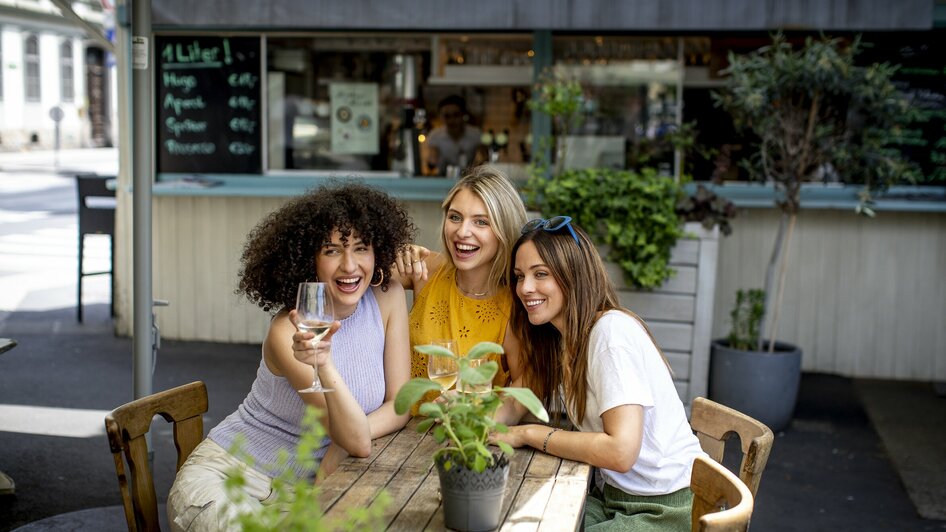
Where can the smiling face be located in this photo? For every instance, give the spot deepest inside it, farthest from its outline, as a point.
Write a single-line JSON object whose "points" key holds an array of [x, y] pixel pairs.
{"points": [[347, 267], [468, 232], [538, 290]]}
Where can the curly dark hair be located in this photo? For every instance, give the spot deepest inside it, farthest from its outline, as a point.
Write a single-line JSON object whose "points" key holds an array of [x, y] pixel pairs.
{"points": [[280, 251]]}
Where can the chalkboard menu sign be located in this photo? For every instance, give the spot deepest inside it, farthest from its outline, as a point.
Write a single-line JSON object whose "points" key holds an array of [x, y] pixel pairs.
{"points": [[208, 104]]}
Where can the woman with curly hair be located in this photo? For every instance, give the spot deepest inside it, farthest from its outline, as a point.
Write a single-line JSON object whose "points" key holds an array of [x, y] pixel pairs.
{"points": [[346, 236], [465, 297]]}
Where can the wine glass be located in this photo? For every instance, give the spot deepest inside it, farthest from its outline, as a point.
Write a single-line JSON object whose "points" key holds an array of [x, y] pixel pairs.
{"points": [[315, 313], [466, 387], [442, 370]]}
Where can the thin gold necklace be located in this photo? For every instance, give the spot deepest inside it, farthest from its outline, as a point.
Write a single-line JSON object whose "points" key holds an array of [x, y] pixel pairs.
{"points": [[470, 294]]}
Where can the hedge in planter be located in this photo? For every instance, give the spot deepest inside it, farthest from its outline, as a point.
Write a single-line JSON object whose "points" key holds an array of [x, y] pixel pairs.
{"points": [[632, 213]]}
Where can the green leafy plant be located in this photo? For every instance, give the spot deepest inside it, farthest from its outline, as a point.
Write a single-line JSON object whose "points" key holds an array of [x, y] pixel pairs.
{"points": [[561, 99], [746, 316], [706, 207], [465, 420], [813, 111], [632, 213], [295, 503]]}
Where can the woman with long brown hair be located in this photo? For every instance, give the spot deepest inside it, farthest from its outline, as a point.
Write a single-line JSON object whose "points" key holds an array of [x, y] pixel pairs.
{"points": [[580, 346]]}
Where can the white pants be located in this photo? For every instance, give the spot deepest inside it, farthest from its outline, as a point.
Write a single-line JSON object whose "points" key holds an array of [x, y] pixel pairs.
{"points": [[198, 498]]}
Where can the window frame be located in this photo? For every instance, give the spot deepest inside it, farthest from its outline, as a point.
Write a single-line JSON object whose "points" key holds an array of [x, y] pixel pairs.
{"points": [[67, 75], [32, 84]]}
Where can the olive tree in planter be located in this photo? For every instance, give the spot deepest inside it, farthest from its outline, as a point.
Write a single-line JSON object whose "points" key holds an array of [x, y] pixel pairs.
{"points": [[472, 478], [813, 112]]}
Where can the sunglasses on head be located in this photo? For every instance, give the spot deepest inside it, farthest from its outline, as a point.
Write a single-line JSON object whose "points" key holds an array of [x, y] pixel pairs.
{"points": [[552, 225]]}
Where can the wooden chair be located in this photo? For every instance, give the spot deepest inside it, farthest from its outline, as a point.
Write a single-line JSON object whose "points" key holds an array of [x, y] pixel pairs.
{"points": [[126, 427], [721, 502], [714, 423]]}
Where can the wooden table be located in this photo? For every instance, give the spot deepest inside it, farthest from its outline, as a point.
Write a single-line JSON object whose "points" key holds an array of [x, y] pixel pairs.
{"points": [[6, 344], [543, 492]]}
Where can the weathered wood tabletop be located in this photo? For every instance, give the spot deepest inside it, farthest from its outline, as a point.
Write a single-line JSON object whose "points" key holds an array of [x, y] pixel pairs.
{"points": [[543, 492]]}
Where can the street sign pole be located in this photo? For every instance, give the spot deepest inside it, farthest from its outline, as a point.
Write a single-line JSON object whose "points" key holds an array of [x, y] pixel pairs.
{"points": [[56, 114]]}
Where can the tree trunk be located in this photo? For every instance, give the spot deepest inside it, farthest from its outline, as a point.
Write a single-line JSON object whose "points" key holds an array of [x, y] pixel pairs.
{"points": [[770, 279], [783, 263]]}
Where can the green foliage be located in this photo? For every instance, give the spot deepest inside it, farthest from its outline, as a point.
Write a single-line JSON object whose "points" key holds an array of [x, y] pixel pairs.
{"points": [[816, 113], [746, 316], [296, 500], [465, 420], [559, 98], [562, 100], [632, 213], [706, 207]]}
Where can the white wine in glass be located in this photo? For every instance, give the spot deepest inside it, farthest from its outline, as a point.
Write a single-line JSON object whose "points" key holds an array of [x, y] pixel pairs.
{"points": [[442, 370], [315, 313]]}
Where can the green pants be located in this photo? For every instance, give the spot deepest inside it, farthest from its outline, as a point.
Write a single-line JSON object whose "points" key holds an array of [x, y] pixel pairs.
{"points": [[616, 510]]}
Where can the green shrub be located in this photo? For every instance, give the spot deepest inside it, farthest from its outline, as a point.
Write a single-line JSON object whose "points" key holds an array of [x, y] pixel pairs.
{"points": [[632, 213]]}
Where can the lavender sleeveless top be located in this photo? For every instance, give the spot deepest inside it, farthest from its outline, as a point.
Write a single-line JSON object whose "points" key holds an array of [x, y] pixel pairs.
{"points": [[270, 416]]}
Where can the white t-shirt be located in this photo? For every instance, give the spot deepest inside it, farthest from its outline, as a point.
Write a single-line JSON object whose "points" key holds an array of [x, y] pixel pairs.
{"points": [[451, 149], [625, 368]]}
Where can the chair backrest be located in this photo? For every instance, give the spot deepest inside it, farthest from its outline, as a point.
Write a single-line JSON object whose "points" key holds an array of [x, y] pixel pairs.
{"points": [[714, 423], [721, 502], [126, 427], [96, 205]]}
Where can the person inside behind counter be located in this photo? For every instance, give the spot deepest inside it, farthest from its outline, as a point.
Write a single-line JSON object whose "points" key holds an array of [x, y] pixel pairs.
{"points": [[454, 143]]}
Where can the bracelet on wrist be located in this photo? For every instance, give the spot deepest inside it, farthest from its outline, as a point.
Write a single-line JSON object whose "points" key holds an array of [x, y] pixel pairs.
{"points": [[545, 444]]}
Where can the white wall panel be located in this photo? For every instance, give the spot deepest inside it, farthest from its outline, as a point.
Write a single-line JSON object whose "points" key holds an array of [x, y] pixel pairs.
{"points": [[863, 297]]}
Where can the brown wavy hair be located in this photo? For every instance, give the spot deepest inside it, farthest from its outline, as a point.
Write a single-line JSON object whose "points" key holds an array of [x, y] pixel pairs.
{"points": [[280, 251], [554, 360]]}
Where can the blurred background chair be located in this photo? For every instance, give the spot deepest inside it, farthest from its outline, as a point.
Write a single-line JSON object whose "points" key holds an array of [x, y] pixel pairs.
{"points": [[714, 423], [126, 427], [96, 217], [721, 502]]}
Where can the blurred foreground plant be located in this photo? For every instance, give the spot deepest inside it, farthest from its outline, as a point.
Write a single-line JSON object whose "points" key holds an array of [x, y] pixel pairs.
{"points": [[295, 503]]}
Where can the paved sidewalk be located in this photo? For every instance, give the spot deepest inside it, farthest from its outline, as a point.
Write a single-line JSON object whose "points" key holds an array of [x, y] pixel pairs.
{"points": [[64, 162]]}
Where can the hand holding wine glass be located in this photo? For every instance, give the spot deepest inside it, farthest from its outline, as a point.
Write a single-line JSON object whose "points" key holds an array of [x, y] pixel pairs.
{"points": [[314, 313]]}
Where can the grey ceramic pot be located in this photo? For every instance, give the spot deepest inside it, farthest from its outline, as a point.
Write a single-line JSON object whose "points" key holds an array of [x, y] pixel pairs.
{"points": [[759, 384], [473, 501]]}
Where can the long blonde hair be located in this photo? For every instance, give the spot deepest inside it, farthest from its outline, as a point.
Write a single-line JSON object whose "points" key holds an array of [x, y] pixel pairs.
{"points": [[506, 212], [554, 360]]}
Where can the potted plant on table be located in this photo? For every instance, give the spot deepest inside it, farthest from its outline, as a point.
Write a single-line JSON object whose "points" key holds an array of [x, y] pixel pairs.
{"points": [[814, 114], [472, 477]]}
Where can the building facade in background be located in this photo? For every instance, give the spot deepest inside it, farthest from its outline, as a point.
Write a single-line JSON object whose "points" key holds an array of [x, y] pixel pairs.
{"points": [[47, 62]]}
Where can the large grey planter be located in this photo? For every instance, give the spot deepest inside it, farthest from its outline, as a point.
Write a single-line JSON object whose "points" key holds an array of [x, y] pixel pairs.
{"points": [[759, 384], [473, 501]]}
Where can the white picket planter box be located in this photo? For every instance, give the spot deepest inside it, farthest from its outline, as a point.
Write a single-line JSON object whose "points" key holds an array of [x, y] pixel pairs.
{"points": [[680, 312]]}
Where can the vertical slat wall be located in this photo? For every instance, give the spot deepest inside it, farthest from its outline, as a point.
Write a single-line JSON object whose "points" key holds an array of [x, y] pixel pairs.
{"points": [[863, 297], [197, 246], [679, 313]]}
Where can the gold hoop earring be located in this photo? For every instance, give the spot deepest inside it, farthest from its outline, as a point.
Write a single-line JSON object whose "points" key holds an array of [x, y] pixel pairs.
{"points": [[380, 271]]}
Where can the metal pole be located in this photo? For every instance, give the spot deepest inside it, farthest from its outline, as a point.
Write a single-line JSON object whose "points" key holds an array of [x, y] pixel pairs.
{"points": [[141, 42]]}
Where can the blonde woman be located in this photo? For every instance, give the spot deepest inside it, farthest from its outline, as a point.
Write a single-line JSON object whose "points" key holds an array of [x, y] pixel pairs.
{"points": [[462, 292]]}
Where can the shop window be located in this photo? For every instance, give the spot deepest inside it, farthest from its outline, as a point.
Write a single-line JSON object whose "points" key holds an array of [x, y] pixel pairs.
{"points": [[31, 68], [629, 100], [369, 102], [66, 72], [345, 102]]}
